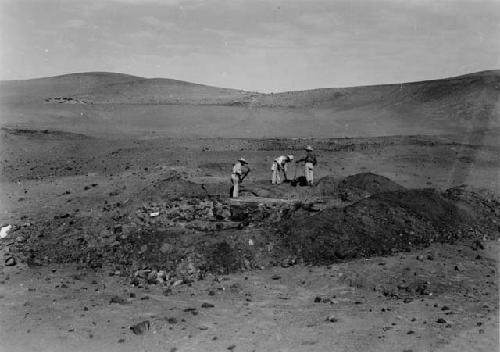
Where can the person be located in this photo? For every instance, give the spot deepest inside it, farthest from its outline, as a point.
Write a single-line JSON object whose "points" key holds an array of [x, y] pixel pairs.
{"points": [[238, 175], [280, 167], [309, 164]]}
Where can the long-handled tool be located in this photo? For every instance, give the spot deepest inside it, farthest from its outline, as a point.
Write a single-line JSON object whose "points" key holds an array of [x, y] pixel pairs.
{"points": [[294, 181]]}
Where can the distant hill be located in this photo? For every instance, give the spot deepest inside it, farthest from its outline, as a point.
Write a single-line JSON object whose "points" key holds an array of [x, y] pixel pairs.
{"points": [[104, 87], [464, 104]]}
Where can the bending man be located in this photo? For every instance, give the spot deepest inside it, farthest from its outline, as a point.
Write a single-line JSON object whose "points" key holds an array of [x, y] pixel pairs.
{"points": [[280, 167], [238, 175]]}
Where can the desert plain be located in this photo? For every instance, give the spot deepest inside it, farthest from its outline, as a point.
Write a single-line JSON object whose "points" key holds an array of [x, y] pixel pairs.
{"points": [[123, 236]]}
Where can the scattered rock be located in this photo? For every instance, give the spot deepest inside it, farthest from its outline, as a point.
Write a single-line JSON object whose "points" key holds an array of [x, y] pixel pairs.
{"points": [[232, 347], [141, 327], [10, 261], [332, 319], [118, 299], [171, 320], [207, 305], [441, 321], [193, 311], [276, 277]]}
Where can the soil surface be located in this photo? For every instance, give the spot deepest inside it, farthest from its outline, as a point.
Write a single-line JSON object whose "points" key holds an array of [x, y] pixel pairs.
{"points": [[444, 298], [133, 244]]}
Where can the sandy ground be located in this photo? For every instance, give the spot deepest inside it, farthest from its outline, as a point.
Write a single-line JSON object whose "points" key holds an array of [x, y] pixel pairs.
{"points": [[61, 308]]}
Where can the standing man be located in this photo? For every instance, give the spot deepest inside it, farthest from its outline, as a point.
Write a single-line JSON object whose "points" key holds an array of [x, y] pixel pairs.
{"points": [[309, 164], [238, 175], [280, 166]]}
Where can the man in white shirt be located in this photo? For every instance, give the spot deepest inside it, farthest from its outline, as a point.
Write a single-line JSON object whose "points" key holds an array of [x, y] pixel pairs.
{"points": [[238, 175], [280, 166]]}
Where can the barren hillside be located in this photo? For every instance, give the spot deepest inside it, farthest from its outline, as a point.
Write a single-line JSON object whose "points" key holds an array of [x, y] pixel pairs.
{"points": [[122, 104]]}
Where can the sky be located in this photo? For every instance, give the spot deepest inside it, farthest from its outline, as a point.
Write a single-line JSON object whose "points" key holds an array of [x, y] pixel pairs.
{"points": [[257, 45]]}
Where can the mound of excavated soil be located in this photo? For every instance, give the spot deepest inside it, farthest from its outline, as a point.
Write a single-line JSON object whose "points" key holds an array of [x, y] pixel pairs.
{"points": [[480, 203], [357, 186], [173, 187], [378, 225]]}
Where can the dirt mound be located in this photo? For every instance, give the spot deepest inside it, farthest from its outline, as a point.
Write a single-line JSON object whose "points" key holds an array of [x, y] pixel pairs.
{"points": [[378, 225], [172, 187], [357, 186], [480, 203]]}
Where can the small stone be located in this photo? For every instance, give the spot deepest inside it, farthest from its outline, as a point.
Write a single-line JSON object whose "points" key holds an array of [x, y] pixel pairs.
{"points": [[140, 328], [118, 299], [420, 257], [121, 340], [207, 305], [276, 277], [10, 261], [441, 321], [171, 320], [232, 347], [445, 308], [332, 319], [317, 299], [411, 332]]}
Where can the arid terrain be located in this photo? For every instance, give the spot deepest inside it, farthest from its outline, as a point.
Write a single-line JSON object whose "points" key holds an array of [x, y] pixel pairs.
{"points": [[117, 190]]}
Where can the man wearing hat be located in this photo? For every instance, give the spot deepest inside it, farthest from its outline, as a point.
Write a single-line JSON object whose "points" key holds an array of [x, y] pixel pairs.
{"points": [[237, 176], [309, 164], [280, 166]]}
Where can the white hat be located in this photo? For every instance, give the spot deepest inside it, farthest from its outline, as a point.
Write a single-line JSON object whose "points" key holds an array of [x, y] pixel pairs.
{"points": [[242, 160], [309, 148], [290, 157]]}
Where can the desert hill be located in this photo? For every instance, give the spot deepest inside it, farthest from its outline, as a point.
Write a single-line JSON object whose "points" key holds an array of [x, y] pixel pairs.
{"points": [[104, 87], [99, 102]]}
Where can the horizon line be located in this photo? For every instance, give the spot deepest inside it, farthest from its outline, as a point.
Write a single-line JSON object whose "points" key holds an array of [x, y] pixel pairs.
{"points": [[243, 90]]}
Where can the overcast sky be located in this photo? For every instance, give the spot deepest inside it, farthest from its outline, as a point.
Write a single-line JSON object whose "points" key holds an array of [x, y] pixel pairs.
{"points": [[252, 45]]}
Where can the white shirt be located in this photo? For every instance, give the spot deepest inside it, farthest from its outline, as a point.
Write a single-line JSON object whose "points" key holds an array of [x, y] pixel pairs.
{"points": [[237, 168], [282, 160]]}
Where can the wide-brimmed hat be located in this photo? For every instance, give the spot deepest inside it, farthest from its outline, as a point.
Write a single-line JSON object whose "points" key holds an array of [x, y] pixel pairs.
{"points": [[309, 148], [242, 160]]}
